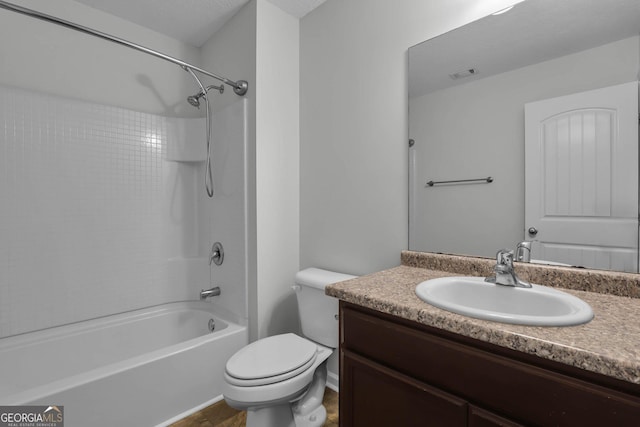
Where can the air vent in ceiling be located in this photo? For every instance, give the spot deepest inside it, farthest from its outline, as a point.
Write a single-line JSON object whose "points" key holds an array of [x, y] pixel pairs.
{"points": [[462, 74]]}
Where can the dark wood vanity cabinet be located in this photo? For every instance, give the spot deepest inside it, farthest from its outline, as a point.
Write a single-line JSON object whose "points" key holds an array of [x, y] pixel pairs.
{"points": [[395, 372], [384, 397]]}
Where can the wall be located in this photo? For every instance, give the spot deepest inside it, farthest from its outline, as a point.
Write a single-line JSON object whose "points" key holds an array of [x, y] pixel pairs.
{"points": [[84, 69], [94, 217], [260, 44], [231, 212], [478, 127], [57, 60], [277, 169], [354, 127], [354, 120]]}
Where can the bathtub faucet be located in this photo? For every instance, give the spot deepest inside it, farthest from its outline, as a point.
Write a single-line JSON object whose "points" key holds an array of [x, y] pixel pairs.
{"points": [[213, 292]]}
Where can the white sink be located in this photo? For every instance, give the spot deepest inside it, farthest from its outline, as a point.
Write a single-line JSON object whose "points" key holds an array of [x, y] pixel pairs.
{"points": [[535, 306]]}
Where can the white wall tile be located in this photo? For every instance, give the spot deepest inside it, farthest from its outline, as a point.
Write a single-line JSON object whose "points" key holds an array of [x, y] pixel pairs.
{"points": [[225, 222], [94, 220]]}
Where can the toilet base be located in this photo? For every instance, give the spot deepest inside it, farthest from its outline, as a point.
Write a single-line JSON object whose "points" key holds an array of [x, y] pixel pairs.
{"points": [[277, 415], [284, 415], [307, 411], [315, 418]]}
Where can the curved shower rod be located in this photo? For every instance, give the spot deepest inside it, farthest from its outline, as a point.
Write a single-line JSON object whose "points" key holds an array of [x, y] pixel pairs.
{"points": [[240, 87]]}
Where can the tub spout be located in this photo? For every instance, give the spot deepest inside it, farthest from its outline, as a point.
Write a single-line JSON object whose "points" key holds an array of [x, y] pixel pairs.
{"points": [[213, 292]]}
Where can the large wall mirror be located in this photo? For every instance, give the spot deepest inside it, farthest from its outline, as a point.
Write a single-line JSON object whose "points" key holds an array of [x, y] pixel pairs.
{"points": [[538, 108]]}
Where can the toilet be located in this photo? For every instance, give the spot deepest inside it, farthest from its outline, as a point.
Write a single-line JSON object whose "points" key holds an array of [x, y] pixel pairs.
{"points": [[280, 380]]}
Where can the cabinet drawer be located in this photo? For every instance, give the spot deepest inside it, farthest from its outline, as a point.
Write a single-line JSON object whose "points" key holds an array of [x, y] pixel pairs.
{"points": [[378, 396], [514, 389]]}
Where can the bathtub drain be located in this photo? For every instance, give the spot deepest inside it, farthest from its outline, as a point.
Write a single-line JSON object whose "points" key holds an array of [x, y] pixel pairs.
{"points": [[212, 325]]}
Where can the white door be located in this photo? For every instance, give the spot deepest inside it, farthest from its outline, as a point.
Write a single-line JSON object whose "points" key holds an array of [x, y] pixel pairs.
{"points": [[581, 178]]}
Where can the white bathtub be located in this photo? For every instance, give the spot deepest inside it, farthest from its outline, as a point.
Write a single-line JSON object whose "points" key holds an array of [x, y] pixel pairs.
{"points": [[142, 368]]}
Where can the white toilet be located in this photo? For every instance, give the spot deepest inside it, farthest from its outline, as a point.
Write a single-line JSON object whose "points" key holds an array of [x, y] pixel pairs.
{"points": [[280, 380]]}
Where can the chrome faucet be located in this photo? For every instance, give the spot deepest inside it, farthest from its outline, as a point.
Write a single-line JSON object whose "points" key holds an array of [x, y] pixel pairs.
{"points": [[523, 251], [505, 274], [213, 292]]}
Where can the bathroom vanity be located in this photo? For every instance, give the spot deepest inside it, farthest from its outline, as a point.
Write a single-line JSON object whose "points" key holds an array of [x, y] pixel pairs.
{"points": [[406, 363]]}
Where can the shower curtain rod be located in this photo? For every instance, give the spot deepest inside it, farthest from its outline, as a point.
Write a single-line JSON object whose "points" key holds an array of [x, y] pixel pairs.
{"points": [[240, 87]]}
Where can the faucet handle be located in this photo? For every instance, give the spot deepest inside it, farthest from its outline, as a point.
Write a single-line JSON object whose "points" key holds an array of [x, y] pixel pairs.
{"points": [[504, 257], [505, 274], [216, 255]]}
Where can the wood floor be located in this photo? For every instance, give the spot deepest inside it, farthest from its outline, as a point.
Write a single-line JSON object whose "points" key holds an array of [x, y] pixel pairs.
{"points": [[222, 415]]}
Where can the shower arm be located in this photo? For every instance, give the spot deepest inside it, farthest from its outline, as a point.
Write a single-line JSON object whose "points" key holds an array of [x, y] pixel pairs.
{"points": [[240, 87]]}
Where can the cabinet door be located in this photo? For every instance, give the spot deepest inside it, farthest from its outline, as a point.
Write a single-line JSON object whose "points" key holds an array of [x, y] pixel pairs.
{"points": [[481, 418], [372, 395], [490, 380]]}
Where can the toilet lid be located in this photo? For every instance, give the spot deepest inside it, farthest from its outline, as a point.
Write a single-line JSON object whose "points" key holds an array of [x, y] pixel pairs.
{"points": [[272, 359]]}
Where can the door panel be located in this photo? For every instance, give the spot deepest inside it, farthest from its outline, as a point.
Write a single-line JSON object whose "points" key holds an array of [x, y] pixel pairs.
{"points": [[581, 178]]}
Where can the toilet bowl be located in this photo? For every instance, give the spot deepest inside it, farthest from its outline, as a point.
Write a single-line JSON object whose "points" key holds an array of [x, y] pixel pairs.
{"points": [[280, 380]]}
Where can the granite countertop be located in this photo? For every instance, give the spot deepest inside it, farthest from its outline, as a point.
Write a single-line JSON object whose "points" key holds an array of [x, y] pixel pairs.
{"points": [[609, 344]]}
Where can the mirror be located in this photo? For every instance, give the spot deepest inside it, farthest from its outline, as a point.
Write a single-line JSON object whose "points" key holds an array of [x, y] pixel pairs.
{"points": [[468, 92]]}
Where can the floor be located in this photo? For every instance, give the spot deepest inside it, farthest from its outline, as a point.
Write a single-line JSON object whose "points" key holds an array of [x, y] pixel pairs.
{"points": [[222, 415]]}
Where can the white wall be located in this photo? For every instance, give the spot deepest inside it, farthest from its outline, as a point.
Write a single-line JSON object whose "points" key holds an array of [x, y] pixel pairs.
{"points": [[277, 169], [260, 44], [354, 126], [231, 212], [41, 56], [94, 218], [478, 128], [354, 119]]}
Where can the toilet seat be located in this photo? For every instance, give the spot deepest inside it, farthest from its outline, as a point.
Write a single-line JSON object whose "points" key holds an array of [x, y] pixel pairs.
{"points": [[270, 360]]}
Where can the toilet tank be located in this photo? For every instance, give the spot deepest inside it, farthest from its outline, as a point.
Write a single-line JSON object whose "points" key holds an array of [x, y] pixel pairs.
{"points": [[318, 312]]}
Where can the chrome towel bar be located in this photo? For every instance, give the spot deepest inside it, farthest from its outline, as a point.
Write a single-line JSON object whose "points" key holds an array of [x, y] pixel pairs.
{"points": [[488, 180]]}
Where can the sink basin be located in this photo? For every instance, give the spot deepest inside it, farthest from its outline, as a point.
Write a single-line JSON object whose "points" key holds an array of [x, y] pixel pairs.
{"points": [[535, 306]]}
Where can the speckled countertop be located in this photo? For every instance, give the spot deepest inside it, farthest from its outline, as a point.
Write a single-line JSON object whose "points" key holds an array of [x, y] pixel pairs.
{"points": [[609, 344]]}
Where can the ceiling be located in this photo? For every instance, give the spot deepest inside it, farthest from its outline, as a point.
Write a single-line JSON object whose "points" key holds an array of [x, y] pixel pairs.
{"points": [[190, 21], [532, 32]]}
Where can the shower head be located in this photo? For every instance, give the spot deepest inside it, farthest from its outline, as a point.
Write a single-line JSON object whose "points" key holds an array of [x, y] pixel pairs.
{"points": [[195, 99]]}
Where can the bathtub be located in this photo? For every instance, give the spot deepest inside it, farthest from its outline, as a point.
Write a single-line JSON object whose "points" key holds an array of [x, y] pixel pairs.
{"points": [[142, 368]]}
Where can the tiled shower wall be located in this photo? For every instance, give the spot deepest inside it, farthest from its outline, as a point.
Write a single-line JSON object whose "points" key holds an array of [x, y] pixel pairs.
{"points": [[94, 217]]}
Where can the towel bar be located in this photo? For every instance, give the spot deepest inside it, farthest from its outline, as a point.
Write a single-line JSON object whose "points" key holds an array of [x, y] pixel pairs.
{"points": [[487, 180]]}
